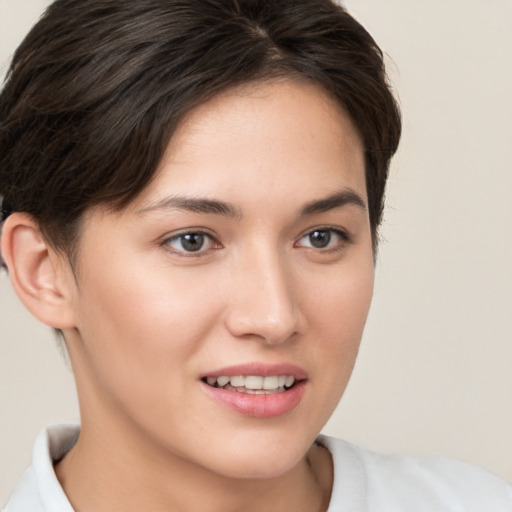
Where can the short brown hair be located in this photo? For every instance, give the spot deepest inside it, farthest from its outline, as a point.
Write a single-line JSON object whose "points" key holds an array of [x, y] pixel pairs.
{"points": [[97, 88]]}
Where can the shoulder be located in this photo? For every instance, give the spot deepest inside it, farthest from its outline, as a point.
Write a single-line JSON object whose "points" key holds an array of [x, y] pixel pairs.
{"points": [[39, 490], [398, 483]]}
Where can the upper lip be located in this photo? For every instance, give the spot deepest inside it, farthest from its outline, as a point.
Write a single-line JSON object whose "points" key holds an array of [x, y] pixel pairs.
{"points": [[260, 369]]}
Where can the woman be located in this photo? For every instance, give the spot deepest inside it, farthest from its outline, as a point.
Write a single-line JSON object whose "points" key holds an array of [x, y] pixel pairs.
{"points": [[191, 196]]}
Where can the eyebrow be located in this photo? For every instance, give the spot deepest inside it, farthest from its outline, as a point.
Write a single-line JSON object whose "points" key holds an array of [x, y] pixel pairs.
{"points": [[196, 205], [336, 200], [216, 207]]}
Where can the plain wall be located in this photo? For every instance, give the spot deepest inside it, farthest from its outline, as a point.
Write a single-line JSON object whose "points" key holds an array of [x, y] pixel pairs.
{"points": [[434, 374]]}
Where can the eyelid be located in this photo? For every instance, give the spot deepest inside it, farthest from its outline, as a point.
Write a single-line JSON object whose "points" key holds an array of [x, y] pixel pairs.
{"points": [[346, 237], [189, 231]]}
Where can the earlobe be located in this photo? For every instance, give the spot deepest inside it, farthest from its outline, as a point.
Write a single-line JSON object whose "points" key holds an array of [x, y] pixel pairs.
{"points": [[40, 277]]}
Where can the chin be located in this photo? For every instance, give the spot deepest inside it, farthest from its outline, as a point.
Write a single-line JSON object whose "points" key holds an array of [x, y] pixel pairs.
{"points": [[258, 468], [263, 457]]}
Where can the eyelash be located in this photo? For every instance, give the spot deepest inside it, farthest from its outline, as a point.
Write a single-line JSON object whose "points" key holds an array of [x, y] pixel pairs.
{"points": [[344, 239], [180, 237]]}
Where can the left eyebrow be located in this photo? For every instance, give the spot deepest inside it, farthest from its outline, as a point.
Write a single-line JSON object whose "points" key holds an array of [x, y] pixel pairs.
{"points": [[336, 200]]}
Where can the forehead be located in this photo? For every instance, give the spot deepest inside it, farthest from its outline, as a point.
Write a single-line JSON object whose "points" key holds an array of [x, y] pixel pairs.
{"points": [[276, 136]]}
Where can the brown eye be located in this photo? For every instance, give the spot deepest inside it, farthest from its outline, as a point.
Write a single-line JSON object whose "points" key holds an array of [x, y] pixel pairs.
{"points": [[319, 239], [190, 242], [325, 238]]}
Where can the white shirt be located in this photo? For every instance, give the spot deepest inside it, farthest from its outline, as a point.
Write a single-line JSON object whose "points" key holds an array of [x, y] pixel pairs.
{"points": [[363, 481]]}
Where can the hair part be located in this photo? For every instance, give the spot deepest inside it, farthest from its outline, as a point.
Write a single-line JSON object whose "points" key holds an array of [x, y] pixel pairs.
{"points": [[97, 88]]}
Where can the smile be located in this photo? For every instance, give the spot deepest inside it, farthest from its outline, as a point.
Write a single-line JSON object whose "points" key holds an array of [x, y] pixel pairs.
{"points": [[253, 384], [257, 390]]}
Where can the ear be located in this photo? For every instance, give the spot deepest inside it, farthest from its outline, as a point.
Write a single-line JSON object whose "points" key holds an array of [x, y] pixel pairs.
{"points": [[41, 277]]}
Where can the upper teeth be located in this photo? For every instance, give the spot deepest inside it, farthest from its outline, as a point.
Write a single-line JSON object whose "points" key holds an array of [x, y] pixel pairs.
{"points": [[253, 381]]}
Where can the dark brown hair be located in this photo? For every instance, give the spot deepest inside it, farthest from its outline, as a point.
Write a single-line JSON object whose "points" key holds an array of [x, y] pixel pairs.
{"points": [[97, 88]]}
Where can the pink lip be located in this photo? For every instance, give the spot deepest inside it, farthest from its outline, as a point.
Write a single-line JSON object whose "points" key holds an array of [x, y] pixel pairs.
{"points": [[259, 406]]}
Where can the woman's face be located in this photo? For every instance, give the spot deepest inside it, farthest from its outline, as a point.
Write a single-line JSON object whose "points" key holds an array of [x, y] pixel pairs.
{"points": [[245, 267]]}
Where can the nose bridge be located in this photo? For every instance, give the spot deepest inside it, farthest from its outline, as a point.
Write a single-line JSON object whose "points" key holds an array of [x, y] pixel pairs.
{"points": [[263, 302]]}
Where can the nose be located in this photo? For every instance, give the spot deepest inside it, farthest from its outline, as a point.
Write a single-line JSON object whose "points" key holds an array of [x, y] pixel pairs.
{"points": [[263, 303]]}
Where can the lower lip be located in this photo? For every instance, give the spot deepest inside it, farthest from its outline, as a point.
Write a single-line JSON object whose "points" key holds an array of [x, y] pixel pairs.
{"points": [[258, 406]]}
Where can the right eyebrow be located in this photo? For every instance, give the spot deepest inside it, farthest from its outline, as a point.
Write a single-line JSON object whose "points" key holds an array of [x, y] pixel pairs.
{"points": [[196, 205]]}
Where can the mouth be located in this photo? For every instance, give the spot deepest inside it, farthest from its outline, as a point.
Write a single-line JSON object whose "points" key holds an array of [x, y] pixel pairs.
{"points": [[253, 384], [256, 390]]}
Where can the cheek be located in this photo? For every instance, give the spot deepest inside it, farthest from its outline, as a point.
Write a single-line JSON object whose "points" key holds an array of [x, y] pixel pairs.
{"points": [[341, 302], [339, 317], [150, 317], [337, 314], [139, 339]]}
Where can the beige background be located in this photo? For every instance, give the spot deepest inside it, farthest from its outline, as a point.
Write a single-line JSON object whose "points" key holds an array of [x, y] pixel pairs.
{"points": [[435, 369]]}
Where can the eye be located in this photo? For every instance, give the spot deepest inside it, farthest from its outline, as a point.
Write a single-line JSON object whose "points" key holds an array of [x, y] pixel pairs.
{"points": [[324, 238], [190, 242]]}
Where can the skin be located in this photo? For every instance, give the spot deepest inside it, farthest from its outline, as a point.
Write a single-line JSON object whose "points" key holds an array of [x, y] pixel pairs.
{"points": [[147, 319]]}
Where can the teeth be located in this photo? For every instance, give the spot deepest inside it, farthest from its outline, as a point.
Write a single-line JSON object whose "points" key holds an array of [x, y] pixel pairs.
{"points": [[252, 383], [289, 381], [270, 382], [221, 381], [238, 381]]}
